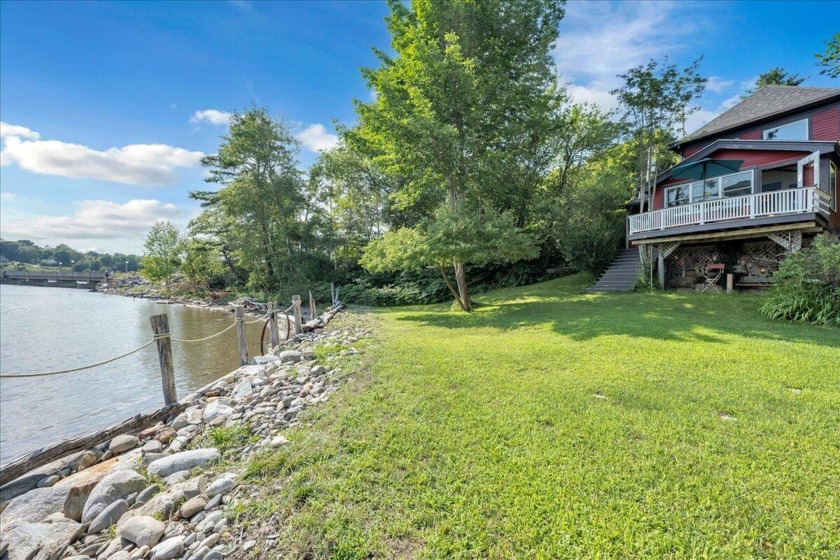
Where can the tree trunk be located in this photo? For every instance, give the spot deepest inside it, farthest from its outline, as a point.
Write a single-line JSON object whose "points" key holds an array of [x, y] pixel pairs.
{"points": [[449, 285], [463, 287]]}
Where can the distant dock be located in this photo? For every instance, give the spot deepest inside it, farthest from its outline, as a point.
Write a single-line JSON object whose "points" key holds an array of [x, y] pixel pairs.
{"points": [[53, 279]]}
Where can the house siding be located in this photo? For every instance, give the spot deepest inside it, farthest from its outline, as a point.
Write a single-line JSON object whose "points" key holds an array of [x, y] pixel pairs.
{"points": [[751, 135], [752, 159], [825, 124]]}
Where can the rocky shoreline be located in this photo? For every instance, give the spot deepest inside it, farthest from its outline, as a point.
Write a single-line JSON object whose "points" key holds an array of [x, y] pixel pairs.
{"points": [[168, 491]]}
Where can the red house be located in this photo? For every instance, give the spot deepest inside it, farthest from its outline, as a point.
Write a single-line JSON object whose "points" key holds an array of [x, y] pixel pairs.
{"points": [[785, 192]]}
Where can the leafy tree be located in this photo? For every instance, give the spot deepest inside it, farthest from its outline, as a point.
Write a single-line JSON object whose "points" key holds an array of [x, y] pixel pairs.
{"points": [[161, 257], [830, 59], [202, 262], [451, 235], [776, 77], [657, 99], [461, 118], [258, 206]]}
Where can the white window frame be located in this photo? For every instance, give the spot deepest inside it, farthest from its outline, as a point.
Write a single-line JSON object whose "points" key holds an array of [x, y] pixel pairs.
{"points": [[807, 131], [718, 179]]}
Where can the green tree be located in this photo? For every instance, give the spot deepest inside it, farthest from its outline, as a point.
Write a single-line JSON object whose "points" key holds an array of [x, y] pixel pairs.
{"points": [[258, 206], [777, 76], [462, 117], [657, 99], [830, 59], [161, 257]]}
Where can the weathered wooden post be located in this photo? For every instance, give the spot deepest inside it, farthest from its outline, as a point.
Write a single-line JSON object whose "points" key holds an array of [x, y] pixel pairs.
{"points": [[729, 283], [332, 294], [240, 330], [313, 312], [298, 323], [160, 327], [272, 325]]}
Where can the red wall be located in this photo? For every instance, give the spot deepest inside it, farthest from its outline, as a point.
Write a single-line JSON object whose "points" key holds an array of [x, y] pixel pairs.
{"points": [[751, 135], [825, 124], [752, 159]]}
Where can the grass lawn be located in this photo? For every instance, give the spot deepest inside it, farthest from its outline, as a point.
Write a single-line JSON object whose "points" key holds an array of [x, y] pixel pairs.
{"points": [[556, 424]]}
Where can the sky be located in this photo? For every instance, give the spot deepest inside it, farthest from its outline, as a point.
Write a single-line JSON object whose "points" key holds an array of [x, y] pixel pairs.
{"points": [[108, 107]]}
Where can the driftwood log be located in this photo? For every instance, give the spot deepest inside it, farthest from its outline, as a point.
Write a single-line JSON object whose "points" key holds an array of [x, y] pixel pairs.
{"points": [[46, 455]]}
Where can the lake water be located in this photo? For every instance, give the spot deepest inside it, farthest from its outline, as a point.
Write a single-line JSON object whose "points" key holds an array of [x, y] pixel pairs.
{"points": [[46, 329]]}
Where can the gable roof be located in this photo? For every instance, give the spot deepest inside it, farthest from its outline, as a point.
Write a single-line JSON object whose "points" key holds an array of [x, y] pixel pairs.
{"points": [[767, 102]]}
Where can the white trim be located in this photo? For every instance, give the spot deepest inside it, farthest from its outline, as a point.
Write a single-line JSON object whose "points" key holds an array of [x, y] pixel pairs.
{"points": [[806, 120], [800, 170], [718, 179]]}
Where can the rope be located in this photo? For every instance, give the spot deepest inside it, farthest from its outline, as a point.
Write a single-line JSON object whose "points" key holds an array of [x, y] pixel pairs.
{"points": [[260, 319], [206, 337], [102, 363]]}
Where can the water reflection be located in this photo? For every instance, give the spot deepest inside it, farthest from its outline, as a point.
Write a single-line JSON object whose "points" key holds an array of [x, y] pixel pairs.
{"points": [[43, 329]]}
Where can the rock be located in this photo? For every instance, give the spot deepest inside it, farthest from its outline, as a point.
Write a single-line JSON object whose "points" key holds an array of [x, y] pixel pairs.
{"points": [[48, 481], [308, 354], [176, 478], [185, 460], [189, 488], [142, 530], [279, 441], [111, 548], [221, 485], [161, 506], [214, 501], [319, 370], [193, 506], [169, 549], [115, 486], [109, 516], [166, 435], [87, 459], [34, 506], [243, 389], [152, 446], [123, 443], [180, 421], [264, 360], [213, 555], [147, 494], [39, 540], [140, 553], [215, 410], [120, 555], [290, 356]]}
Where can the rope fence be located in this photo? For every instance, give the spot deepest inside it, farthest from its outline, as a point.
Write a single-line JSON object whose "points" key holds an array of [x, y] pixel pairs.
{"points": [[149, 343]]}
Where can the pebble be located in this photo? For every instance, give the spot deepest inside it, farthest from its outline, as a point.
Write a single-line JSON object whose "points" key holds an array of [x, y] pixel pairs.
{"points": [[48, 481], [193, 506]]}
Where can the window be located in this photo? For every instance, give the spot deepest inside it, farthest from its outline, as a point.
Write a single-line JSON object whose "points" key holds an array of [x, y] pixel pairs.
{"points": [[736, 184], [739, 184], [791, 131]]}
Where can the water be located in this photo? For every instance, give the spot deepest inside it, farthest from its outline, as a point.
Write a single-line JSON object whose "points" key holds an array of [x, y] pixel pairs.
{"points": [[45, 329]]}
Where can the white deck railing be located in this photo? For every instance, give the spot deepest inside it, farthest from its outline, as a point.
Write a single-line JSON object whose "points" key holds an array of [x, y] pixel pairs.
{"points": [[763, 205]]}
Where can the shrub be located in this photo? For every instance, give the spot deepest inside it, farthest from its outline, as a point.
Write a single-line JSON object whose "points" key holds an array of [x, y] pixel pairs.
{"points": [[806, 287]]}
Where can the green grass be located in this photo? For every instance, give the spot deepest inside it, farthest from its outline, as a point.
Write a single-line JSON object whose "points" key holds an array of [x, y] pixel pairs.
{"points": [[484, 435]]}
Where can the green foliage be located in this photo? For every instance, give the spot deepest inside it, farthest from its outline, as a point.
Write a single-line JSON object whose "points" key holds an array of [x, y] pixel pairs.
{"points": [[806, 288], [202, 263], [830, 59], [226, 438], [591, 223], [161, 257], [25, 251], [777, 76]]}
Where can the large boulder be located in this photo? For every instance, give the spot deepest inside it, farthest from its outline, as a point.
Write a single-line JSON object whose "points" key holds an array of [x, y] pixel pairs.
{"points": [[41, 541], [217, 409], [184, 461], [34, 506], [141, 530], [115, 486]]}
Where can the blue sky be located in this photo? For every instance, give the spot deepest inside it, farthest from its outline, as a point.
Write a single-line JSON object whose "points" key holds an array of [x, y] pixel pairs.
{"points": [[107, 106]]}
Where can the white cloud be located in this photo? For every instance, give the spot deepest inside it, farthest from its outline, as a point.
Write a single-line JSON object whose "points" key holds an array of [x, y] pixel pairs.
{"points": [[94, 219], [717, 84], [7, 196], [599, 40], [211, 116], [14, 131], [135, 164], [316, 138]]}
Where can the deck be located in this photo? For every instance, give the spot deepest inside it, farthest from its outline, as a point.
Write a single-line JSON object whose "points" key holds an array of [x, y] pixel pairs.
{"points": [[788, 207]]}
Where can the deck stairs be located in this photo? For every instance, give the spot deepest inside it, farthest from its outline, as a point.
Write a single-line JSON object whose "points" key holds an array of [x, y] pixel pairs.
{"points": [[621, 275]]}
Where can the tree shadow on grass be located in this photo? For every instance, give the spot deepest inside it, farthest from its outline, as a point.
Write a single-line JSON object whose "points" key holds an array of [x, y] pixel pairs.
{"points": [[711, 318]]}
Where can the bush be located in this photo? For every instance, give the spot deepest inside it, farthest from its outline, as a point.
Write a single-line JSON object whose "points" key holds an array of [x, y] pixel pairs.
{"points": [[806, 287]]}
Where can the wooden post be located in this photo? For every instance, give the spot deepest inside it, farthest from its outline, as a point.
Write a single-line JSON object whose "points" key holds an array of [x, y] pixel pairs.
{"points": [[661, 268], [729, 283], [160, 327], [240, 330], [332, 293], [272, 325], [313, 312], [298, 323]]}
